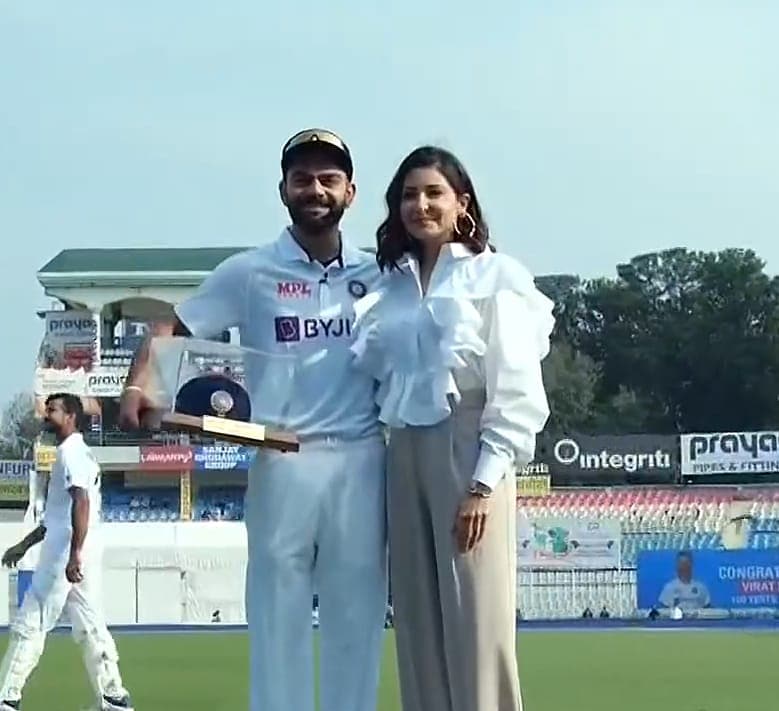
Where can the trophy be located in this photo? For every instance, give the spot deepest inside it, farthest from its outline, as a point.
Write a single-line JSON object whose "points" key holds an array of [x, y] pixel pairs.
{"points": [[220, 390]]}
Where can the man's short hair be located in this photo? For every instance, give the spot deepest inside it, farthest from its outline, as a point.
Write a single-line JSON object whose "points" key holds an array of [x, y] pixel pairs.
{"points": [[684, 554], [71, 404]]}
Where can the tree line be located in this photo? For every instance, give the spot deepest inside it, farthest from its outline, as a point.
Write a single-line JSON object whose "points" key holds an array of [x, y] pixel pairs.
{"points": [[19, 428], [679, 341]]}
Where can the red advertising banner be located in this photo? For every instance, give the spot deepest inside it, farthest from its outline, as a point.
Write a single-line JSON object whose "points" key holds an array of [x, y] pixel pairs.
{"points": [[166, 458]]}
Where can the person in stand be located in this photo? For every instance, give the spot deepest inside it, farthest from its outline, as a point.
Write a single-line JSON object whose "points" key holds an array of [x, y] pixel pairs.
{"points": [[315, 518], [67, 577], [455, 336]]}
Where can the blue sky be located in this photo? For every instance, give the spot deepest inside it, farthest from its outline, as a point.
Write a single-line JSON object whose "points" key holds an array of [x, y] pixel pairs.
{"points": [[595, 130]]}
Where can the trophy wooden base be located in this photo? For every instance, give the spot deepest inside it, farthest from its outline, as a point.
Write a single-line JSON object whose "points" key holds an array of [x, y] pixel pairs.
{"points": [[235, 431]]}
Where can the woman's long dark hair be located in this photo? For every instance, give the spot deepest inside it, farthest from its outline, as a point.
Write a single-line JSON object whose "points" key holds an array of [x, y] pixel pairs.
{"points": [[392, 239]]}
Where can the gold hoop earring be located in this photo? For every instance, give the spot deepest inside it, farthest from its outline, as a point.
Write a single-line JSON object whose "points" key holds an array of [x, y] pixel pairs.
{"points": [[471, 225]]}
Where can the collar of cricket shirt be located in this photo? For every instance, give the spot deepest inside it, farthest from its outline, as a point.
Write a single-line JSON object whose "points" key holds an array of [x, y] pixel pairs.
{"points": [[291, 251]]}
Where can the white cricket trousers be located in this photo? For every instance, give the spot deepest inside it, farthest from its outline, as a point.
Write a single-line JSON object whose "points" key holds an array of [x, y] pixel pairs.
{"points": [[316, 521], [49, 595]]}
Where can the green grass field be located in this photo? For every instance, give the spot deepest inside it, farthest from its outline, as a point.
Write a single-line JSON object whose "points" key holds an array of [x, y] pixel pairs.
{"points": [[561, 671]]}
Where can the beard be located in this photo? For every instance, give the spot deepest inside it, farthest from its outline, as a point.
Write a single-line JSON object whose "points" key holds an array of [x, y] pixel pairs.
{"points": [[316, 224]]}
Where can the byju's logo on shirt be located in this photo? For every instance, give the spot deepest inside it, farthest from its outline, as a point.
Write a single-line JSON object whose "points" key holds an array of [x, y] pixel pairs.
{"points": [[287, 329], [293, 290], [290, 329]]}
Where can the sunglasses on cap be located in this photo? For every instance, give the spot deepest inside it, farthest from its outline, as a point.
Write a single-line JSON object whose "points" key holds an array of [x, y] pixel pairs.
{"points": [[317, 138]]}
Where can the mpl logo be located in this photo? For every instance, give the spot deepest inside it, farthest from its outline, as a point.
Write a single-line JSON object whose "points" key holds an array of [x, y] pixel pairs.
{"points": [[293, 290], [291, 329]]}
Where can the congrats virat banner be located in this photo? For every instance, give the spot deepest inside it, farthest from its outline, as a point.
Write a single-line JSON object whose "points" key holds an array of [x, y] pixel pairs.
{"points": [[702, 579], [568, 543]]}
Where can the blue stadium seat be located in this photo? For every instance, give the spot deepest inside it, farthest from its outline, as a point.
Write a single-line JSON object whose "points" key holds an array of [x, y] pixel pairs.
{"points": [[219, 504], [125, 505]]}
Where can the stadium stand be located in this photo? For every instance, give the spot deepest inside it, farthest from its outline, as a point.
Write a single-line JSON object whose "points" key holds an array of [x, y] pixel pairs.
{"points": [[159, 504], [219, 504], [650, 519], [140, 505]]}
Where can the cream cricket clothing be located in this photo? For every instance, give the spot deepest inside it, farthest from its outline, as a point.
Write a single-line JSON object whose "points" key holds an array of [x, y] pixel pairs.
{"points": [[315, 519]]}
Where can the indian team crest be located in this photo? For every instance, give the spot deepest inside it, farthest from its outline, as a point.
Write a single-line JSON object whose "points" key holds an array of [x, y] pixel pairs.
{"points": [[357, 289]]}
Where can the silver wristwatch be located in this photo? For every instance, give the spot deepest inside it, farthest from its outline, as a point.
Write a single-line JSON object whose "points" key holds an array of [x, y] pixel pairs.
{"points": [[481, 490]]}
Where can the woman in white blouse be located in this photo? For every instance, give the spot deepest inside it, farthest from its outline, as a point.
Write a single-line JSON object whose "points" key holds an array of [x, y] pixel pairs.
{"points": [[455, 339]]}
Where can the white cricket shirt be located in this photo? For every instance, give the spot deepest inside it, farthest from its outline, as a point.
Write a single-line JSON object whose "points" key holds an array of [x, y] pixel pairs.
{"points": [[688, 596], [286, 304], [74, 466]]}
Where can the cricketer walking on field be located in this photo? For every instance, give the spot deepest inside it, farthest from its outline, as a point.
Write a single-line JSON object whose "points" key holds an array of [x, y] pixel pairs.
{"points": [[68, 575], [315, 519]]}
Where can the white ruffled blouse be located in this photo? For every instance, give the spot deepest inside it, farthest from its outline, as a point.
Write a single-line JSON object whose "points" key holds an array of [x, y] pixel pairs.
{"points": [[482, 325]]}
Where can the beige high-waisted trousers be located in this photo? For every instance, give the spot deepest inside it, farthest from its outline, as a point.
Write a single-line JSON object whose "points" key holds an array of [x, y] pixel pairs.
{"points": [[454, 614]]}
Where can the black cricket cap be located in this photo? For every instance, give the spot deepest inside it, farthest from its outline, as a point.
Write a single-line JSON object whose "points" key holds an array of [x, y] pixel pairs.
{"points": [[320, 140]]}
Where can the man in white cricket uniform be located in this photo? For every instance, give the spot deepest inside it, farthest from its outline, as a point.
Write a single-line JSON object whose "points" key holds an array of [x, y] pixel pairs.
{"points": [[684, 591], [68, 575], [315, 519]]}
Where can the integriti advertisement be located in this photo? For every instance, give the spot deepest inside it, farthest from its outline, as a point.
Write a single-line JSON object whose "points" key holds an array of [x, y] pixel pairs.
{"points": [[708, 579], [640, 458]]}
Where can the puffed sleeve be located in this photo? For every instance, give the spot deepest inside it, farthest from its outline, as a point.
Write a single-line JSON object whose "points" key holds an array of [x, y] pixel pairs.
{"points": [[219, 302], [516, 410]]}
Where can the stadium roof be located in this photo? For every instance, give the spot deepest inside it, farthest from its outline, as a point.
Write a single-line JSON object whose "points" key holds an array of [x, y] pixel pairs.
{"points": [[202, 259], [92, 267], [174, 266]]}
